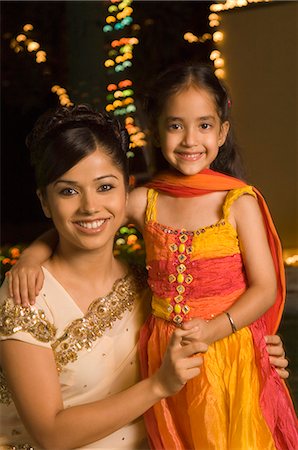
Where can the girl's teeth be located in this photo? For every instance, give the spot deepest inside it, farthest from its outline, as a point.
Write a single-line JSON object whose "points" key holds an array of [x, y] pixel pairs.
{"points": [[90, 225]]}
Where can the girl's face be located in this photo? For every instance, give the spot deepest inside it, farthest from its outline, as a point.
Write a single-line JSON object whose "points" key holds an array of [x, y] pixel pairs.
{"points": [[190, 131], [87, 203]]}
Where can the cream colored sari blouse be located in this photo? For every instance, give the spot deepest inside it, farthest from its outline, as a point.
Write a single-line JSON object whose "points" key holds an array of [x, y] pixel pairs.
{"points": [[96, 353]]}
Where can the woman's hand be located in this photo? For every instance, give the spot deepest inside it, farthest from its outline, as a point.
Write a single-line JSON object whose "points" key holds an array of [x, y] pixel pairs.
{"points": [[25, 280], [180, 364], [277, 355]]}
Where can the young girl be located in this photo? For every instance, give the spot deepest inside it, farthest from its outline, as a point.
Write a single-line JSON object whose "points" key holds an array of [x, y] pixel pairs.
{"points": [[213, 257]]}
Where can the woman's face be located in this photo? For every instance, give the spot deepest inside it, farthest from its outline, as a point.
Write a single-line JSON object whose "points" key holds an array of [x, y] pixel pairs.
{"points": [[87, 203]]}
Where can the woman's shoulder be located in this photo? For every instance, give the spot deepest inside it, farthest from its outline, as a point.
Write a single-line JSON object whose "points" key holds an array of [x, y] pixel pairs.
{"points": [[33, 324]]}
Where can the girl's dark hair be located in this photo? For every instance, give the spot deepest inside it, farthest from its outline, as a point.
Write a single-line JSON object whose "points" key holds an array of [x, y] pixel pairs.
{"points": [[62, 137], [181, 76]]}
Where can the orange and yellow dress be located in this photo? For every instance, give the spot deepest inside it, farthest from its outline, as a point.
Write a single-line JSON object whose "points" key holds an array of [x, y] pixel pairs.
{"points": [[238, 401]]}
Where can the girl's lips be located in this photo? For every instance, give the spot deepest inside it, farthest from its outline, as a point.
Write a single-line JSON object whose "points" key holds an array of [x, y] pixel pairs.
{"points": [[91, 226], [190, 156]]}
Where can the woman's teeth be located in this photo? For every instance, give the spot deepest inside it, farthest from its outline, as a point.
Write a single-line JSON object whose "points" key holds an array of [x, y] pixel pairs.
{"points": [[91, 225]]}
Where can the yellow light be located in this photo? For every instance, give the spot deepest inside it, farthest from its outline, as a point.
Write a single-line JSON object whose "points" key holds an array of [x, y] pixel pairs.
{"points": [[217, 36], [220, 73], [117, 103], [28, 27], [214, 54], [110, 19], [214, 23], [219, 62], [207, 36], [32, 46], [61, 91], [118, 94], [55, 88], [109, 108], [21, 37], [41, 53], [119, 59], [213, 17], [109, 63]]}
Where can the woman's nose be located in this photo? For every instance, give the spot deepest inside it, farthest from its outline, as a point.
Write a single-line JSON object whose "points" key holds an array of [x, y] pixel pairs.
{"points": [[90, 203]]}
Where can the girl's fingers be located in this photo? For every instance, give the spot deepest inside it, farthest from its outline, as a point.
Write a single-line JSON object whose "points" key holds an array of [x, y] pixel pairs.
{"points": [[31, 280], [39, 282], [283, 373], [278, 363], [273, 340], [9, 282], [23, 289]]}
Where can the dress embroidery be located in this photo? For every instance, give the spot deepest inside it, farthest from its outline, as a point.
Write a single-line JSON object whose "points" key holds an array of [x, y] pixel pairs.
{"points": [[101, 315], [5, 395], [15, 318]]}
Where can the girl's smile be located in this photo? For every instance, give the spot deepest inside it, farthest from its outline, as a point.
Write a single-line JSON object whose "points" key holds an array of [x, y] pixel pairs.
{"points": [[190, 130]]}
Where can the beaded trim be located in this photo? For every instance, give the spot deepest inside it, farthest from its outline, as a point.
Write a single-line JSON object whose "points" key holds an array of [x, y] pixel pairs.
{"points": [[14, 318], [189, 233], [101, 315]]}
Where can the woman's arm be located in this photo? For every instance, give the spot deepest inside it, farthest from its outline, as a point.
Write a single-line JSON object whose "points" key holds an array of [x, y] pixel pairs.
{"points": [[261, 278], [36, 392], [25, 279]]}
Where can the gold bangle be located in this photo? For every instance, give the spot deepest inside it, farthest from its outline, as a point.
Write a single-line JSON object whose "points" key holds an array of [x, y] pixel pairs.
{"points": [[232, 323]]}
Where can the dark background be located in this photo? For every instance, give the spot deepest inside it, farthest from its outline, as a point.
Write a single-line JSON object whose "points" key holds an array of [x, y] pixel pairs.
{"points": [[71, 33]]}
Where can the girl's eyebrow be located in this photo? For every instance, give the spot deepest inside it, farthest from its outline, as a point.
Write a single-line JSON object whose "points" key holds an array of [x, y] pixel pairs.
{"points": [[172, 118], [61, 180]]}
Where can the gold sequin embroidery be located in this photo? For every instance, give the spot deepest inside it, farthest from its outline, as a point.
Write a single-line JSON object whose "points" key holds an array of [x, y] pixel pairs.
{"points": [[15, 318], [5, 395], [101, 315]]}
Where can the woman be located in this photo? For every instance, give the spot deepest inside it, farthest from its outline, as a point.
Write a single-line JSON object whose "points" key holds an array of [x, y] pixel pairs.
{"points": [[70, 362]]}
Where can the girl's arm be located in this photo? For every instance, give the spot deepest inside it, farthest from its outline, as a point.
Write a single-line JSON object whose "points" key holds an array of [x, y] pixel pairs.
{"points": [[25, 279], [261, 278], [36, 392]]}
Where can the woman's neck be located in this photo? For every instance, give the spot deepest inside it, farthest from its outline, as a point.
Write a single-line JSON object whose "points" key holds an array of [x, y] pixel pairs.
{"points": [[86, 264]]}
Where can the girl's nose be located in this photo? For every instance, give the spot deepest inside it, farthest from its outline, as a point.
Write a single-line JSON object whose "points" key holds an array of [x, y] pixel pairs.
{"points": [[190, 138]]}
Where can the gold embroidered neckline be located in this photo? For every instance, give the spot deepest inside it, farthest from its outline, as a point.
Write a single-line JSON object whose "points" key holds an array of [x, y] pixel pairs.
{"points": [[100, 316]]}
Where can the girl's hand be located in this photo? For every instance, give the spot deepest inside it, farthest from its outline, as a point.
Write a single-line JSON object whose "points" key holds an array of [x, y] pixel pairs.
{"points": [[277, 355], [180, 364], [25, 280], [198, 330]]}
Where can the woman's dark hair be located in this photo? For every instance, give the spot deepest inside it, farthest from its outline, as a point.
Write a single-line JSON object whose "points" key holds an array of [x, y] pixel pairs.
{"points": [[62, 137], [181, 76]]}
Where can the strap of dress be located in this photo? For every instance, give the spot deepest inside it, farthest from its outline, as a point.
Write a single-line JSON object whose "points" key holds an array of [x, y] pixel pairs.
{"points": [[233, 195], [151, 205]]}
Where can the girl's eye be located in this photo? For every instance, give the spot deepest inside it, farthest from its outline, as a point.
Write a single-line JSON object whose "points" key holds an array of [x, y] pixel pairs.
{"points": [[67, 192], [205, 126], [175, 126], [105, 187]]}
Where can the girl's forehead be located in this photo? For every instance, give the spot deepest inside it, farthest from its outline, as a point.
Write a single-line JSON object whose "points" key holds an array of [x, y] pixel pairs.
{"points": [[191, 96]]}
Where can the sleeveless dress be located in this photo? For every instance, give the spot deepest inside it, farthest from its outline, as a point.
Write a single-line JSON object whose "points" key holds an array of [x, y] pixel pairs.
{"points": [[201, 274]]}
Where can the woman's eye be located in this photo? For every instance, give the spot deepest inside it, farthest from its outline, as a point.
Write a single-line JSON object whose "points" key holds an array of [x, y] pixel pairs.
{"points": [[68, 192], [105, 187]]}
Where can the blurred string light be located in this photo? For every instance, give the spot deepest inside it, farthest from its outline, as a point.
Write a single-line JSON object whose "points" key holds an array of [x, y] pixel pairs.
{"points": [[120, 94], [217, 36], [24, 42]]}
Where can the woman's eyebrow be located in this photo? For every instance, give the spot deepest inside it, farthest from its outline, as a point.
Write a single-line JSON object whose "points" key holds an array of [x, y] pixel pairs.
{"points": [[74, 182]]}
